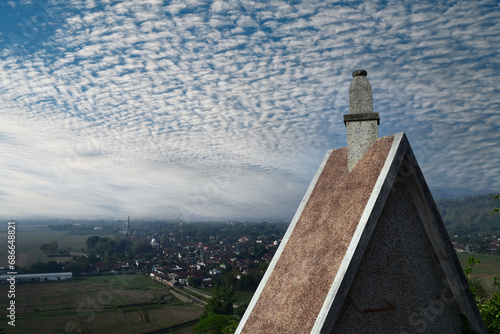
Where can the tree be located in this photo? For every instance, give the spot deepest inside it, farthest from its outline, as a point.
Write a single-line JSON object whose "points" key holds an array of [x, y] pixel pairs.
{"points": [[217, 324], [120, 245], [489, 307], [92, 241], [194, 281], [51, 248], [496, 210], [40, 267], [77, 266], [218, 316], [105, 249], [221, 301], [142, 247]]}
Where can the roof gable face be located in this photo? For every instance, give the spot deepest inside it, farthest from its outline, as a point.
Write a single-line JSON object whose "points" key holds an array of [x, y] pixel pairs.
{"points": [[399, 286], [366, 249]]}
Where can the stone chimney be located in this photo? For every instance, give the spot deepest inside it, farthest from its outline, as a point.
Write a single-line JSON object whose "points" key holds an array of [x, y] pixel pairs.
{"points": [[362, 122]]}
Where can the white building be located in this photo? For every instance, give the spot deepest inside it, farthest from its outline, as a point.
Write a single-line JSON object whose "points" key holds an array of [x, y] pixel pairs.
{"points": [[38, 277]]}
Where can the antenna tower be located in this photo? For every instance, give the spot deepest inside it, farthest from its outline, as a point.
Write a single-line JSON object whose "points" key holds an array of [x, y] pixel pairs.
{"points": [[127, 234]]}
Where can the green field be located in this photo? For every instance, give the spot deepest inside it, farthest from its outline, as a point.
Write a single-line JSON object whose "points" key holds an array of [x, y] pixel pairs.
{"points": [[99, 304], [29, 238], [484, 271]]}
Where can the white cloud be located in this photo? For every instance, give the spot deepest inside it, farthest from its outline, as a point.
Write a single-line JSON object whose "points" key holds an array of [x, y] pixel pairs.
{"points": [[138, 91]]}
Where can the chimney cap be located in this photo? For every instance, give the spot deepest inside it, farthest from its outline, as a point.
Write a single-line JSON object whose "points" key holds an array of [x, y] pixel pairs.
{"points": [[359, 73]]}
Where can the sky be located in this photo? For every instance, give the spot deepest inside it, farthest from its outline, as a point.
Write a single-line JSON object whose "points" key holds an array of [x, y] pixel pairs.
{"points": [[225, 109]]}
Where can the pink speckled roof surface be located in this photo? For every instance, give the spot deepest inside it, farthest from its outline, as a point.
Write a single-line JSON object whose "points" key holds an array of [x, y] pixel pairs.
{"points": [[296, 290]]}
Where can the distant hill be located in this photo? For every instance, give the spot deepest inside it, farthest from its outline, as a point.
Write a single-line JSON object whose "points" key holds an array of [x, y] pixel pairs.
{"points": [[456, 192], [470, 212]]}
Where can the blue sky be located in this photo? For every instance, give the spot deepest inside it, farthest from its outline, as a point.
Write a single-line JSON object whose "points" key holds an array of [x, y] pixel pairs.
{"points": [[225, 109]]}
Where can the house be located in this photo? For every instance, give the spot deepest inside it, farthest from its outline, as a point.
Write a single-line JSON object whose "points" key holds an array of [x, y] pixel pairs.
{"points": [[200, 265], [206, 282], [171, 282], [105, 268], [495, 244], [154, 243], [101, 267], [214, 272]]}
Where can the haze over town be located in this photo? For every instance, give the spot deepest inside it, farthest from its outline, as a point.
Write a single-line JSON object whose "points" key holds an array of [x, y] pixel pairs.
{"points": [[225, 109]]}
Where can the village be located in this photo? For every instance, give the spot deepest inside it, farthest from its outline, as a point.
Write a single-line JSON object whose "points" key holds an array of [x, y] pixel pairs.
{"points": [[198, 254], [240, 264]]}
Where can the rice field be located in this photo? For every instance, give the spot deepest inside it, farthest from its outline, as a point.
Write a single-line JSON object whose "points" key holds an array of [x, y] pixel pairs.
{"points": [[100, 304]]}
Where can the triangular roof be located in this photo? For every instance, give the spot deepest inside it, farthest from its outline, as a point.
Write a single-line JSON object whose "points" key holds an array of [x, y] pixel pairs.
{"points": [[327, 258]]}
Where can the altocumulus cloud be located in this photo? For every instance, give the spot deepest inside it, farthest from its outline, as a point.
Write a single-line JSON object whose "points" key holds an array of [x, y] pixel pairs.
{"points": [[224, 109]]}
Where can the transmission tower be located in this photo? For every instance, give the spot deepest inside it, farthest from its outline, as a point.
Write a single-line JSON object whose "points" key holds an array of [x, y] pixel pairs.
{"points": [[127, 228]]}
